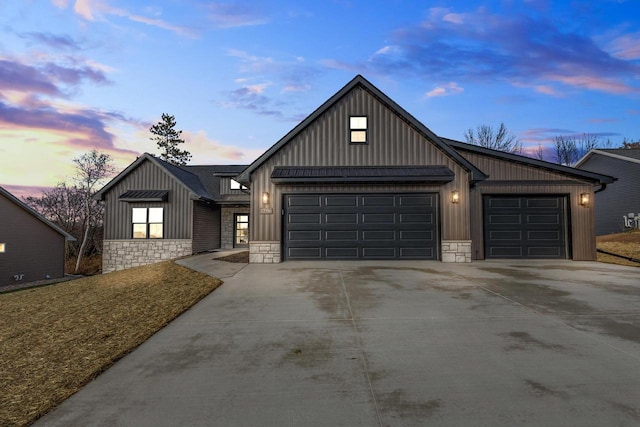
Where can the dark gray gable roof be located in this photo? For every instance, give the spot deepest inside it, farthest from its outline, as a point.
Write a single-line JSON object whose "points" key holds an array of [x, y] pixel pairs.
{"points": [[36, 214], [362, 174], [202, 181], [359, 81], [528, 161], [210, 175], [629, 155]]}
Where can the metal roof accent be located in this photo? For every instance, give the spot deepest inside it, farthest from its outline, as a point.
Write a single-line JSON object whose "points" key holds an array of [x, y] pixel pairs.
{"points": [[362, 174], [144, 196]]}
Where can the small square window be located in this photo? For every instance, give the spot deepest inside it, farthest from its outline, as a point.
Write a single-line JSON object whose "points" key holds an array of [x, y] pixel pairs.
{"points": [[147, 223], [3, 248], [358, 129]]}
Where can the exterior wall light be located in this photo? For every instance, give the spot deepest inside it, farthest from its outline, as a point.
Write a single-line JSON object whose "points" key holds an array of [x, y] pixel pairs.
{"points": [[584, 199], [455, 196], [265, 198]]}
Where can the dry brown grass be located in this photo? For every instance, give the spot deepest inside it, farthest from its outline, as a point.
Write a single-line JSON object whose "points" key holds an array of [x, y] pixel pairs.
{"points": [[627, 244], [57, 338]]}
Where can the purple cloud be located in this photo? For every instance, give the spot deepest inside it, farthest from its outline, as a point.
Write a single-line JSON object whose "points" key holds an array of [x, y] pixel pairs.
{"points": [[45, 79], [53, 41], [481, 46]]}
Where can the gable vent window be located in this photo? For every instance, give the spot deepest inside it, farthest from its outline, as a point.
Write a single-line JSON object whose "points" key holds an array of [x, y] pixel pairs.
{"points": [[358, 129], [148, 223]]}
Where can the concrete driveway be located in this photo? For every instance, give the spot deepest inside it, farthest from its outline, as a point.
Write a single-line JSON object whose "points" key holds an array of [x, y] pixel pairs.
{"points": [[386, 344]]}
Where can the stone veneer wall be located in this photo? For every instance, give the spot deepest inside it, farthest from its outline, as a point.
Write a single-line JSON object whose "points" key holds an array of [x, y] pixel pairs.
{"points": [[264, 252], [227, 224], [456, 251], [122, 254]]}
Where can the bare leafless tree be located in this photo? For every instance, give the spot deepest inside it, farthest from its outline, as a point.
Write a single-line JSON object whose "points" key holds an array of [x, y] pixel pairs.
{"points": [[501, 139], [569, 149]]}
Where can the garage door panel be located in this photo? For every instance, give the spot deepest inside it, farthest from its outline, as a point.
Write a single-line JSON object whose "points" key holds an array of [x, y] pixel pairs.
{"points": [[306, 253], [366, 226], [378, 218], [417, 200], [543, 252], [417, 218], [525, 227], [505, 219], [304, 201], [341, 218], [307, 235], [330, 201], [424, 235], [373, 235], [347, 235], [544, 235], [387, 200], [379, 253], [543, 203], [553, 219], [513, 235], [305, 218], [341, 253]]}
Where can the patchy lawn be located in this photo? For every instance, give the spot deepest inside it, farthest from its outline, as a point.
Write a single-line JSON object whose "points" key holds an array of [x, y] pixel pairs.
{"points": [[57, 338], [627, 244]]}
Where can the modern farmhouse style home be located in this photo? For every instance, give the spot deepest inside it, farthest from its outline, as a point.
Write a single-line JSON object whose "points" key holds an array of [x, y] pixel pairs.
{"points": [[360, 178]]}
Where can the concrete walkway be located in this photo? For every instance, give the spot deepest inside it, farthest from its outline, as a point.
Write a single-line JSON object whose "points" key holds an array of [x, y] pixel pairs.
{"points": [[386, 344]]}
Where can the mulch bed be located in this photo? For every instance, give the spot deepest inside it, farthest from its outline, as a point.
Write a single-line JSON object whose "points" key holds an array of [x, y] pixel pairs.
{"points": [[240, 257]]}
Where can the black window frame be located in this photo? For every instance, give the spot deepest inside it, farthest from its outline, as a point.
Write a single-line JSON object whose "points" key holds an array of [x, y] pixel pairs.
{"points": [[147, 224], [365, 129], [235, 229]]}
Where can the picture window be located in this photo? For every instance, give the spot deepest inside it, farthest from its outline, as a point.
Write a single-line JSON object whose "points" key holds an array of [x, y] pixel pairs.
{"points": [[358, 129], [148, 223]]}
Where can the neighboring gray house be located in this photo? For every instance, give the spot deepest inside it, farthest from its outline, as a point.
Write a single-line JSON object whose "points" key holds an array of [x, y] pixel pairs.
{"points": [[32, 248], [155, 210], [618, 208], [361, 178]]}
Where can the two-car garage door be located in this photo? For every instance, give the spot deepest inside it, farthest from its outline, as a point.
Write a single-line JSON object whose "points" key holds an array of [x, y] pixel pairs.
{"points": [[360, 226]]}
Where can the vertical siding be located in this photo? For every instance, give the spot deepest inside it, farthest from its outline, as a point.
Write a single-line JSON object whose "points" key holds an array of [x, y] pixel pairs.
{"points": [[206, 227], [33, 249], [619, 198], [178, 210], [391, 142]]}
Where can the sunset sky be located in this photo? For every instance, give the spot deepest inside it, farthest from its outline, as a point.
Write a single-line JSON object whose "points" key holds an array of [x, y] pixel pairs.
{"points": [[84, 74]]}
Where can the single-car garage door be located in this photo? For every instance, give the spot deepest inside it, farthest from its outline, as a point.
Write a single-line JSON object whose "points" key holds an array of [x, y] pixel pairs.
{"points": [[360, 226], [525, 227]]}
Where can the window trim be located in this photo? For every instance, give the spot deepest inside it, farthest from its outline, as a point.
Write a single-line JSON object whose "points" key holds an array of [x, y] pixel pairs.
{"points": [[354, 129], [147, 223]]}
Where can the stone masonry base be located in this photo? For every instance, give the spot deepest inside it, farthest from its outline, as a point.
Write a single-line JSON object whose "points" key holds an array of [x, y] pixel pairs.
{"points": [[122, 254], [456, 251], [264, 252]]}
